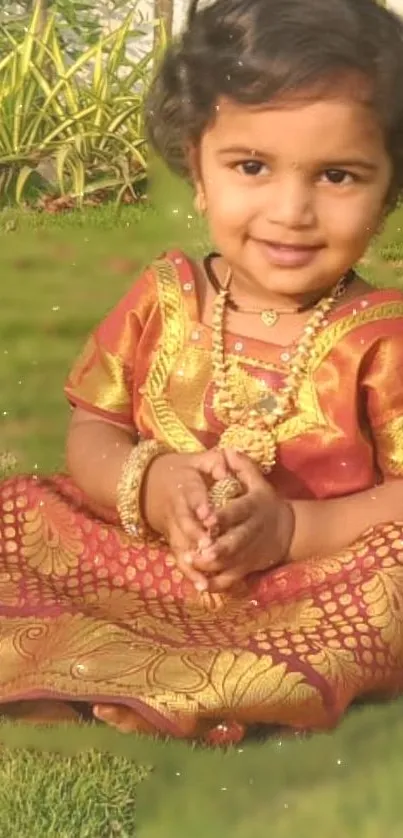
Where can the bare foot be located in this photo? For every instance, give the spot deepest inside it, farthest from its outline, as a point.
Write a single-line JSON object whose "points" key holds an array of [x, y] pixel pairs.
{"points": [[123, 718], [128, 721]]}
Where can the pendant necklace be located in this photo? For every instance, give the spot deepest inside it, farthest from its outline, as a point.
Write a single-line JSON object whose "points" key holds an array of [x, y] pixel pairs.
{"points": [[268, 316]]}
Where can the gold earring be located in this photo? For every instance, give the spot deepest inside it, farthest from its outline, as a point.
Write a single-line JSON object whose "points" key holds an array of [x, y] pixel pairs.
{"points": [[200, 203]]}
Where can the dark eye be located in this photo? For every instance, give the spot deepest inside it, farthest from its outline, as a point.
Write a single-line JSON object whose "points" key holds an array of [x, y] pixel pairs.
{"points": [[252, 167], [338, 176]]}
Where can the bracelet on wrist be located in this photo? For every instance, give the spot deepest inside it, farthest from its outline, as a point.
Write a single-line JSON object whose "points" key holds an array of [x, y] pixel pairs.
{"points": [[130, 486]]}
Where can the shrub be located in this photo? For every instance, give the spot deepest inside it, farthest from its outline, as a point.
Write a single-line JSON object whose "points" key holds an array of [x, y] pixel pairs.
{"points": [[72, 124]]}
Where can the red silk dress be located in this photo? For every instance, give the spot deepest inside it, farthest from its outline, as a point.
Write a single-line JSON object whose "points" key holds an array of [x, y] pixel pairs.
{"points": [[87, 614]]}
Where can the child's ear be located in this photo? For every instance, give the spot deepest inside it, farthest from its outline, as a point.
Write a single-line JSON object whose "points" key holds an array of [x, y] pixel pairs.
{"points": [[200, 202], [196, 178], [193, 161]]}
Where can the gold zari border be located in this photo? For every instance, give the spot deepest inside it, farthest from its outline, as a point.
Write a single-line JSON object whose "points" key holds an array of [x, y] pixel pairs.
{"points": [[175, 323]]}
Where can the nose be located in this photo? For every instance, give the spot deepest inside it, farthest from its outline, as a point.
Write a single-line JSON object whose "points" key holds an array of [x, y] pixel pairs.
{"points": [[290, 203]]}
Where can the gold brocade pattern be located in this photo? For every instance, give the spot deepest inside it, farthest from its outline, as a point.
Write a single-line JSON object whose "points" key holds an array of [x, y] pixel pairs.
{"points": [[265, 657], [188, 386], [295, 647], [88, 614], [173, 423], [104, 384], [51, 540], [249, 389], [9, 588], [204, 680], [308, 415], [335, 332], [172, 353], [390, 447], [174, 324], [191, 379]]}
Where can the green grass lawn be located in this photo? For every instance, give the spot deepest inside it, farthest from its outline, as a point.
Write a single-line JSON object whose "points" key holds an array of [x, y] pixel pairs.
{"points": [[58, 277]]}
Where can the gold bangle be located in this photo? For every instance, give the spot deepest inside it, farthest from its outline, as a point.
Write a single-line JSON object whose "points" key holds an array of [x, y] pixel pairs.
{"points": [[130, 486], [222, 491]]}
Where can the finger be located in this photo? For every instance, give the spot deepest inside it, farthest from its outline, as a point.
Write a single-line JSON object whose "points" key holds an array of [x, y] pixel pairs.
{"points": [[247, 472], [184, 559], [208, 517], [209, 565], [225, 550], [213, 464], [186, 506], [185, 565], [235, 512], [199, 535], [212, 561], [198, 502], [226, 580], [221, 520]]}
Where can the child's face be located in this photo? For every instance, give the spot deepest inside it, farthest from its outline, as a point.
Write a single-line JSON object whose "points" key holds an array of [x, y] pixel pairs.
{"points": [[294, 194]]}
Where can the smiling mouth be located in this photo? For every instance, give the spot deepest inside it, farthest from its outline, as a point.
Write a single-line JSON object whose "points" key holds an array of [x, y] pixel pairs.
{"points": [[288, 255], [289, 245]]}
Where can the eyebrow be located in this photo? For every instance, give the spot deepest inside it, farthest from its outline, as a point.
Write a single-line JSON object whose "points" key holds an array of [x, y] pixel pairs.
{"points": [[350, 163], [243, 150]]}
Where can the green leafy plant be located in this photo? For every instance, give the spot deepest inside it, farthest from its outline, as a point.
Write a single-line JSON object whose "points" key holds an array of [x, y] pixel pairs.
{"points": [[80, 118], [79, 23]]}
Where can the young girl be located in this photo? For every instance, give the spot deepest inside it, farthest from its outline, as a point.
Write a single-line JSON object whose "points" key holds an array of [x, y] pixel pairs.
{"points": [[225, 550]]}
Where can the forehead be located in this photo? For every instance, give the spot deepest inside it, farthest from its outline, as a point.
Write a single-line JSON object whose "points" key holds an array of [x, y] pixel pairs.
{"points": [[299, 127]]}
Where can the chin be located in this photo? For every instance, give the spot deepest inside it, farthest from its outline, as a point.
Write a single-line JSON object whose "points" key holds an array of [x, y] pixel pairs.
{"points": [[297, 281], [288, 283]]}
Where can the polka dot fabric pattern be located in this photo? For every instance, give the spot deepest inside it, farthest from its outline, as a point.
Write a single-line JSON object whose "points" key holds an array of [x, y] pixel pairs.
{"points": [[87, 615]]}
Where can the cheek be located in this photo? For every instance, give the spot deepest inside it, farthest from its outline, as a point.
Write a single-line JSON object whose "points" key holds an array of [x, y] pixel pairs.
{"points": [[355, 221], [229, 203], [228, 208]]}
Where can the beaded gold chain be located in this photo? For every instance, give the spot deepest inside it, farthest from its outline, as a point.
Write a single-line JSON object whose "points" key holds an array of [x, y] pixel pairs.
{"points": [[253, 431]]}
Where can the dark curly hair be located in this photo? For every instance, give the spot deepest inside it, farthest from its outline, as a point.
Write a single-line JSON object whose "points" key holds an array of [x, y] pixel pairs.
{"points": [[253, 50]]}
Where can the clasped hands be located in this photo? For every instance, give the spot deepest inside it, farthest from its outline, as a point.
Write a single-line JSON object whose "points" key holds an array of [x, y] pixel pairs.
{"points": [[215, 549]]}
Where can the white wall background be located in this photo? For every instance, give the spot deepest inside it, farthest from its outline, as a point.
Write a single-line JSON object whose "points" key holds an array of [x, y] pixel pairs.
{"points": [[146, 10], [180, 6], [144, 17]]}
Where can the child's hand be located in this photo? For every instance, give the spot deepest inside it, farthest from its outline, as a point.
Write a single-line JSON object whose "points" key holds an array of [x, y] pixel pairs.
{"points": [[176, 504], [257, 530]]}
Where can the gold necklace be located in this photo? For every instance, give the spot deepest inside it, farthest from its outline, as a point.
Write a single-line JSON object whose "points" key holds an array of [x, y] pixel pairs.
{"points": [[270, 316], [254, 431]]}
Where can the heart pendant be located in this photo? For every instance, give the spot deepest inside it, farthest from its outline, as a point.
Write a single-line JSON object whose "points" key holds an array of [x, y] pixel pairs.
{"points": [[267, 405], [269, 317]]}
